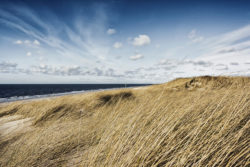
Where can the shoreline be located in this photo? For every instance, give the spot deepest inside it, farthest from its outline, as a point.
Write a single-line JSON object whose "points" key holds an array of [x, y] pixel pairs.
{"points": [[123, 126], [49, 96]]}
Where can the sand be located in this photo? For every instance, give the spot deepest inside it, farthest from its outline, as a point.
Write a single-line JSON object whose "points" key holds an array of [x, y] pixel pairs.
{"points": [[13, 125]]}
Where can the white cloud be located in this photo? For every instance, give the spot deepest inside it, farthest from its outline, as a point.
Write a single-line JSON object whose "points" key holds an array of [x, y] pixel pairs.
{"points": [[36, 42], [73, 70], [117, 45], [137, 56], [111, 31], [28, 43], [18, 42], [5, 64], [194, 37], [7, 67], [141, 40], [29, 54], [89, 43]]}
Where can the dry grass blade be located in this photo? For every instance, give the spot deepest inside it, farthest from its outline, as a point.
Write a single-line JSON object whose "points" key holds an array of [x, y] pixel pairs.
{"points": [[200, 121]]}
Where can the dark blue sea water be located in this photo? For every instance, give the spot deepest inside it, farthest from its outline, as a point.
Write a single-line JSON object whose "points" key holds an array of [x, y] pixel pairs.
{"points": [[13, 92]]}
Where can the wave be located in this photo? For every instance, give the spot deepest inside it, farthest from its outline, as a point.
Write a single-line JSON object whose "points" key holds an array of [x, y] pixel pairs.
{"points": [[19, 98]]}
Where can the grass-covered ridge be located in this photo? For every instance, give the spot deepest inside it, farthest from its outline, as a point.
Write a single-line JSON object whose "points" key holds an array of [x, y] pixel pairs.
{"points": [[201, 121]]}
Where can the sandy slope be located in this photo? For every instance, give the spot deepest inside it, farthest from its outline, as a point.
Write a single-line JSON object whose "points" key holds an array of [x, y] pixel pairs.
{"points": [[12, 127], [202, 121]]}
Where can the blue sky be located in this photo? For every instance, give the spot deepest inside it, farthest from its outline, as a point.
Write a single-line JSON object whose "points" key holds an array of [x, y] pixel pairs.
{"points": [[122, 41]]}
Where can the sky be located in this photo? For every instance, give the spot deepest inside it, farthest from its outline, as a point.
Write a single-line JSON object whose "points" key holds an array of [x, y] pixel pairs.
{"points": [[122, 41]]}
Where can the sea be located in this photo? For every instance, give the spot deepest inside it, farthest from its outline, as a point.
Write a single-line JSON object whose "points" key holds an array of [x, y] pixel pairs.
{"points": [[15, 92]]}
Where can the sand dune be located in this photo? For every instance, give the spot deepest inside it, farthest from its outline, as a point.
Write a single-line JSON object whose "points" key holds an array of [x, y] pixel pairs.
{"points": [[13, 127], [200, 121]]}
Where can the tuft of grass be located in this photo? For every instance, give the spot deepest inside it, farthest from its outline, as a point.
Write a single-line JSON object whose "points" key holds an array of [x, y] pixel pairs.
{"points": [[109, 99], [198, 121]]}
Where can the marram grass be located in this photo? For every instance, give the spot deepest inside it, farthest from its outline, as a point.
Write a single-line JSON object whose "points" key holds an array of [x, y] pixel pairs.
{"points": [[200, 121]]}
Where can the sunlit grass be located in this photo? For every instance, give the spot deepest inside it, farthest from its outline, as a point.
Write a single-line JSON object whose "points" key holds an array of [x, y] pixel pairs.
{"points": [[200, 121]]}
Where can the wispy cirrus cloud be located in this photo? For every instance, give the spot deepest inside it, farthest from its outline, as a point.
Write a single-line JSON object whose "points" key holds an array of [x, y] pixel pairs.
{"points": [[194, 37], [81, 46], [81, 41], [233, 43]]}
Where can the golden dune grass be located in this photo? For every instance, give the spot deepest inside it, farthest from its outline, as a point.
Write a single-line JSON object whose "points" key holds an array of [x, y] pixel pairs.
{"points": [[201, 121]]}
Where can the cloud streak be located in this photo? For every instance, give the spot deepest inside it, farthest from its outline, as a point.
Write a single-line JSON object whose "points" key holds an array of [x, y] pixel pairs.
{"points": [[194, 37], [89, 47], [81, 42], [7, 67]]}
